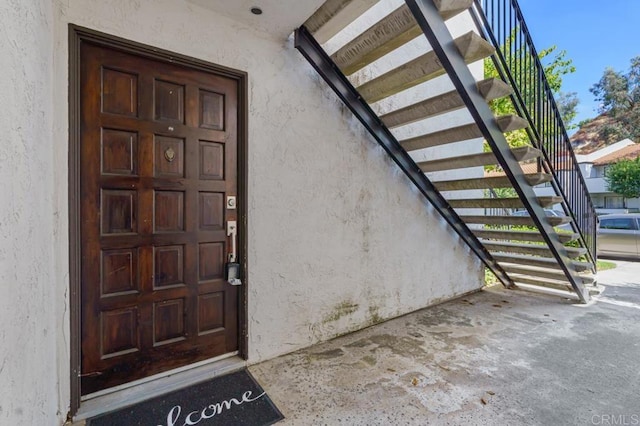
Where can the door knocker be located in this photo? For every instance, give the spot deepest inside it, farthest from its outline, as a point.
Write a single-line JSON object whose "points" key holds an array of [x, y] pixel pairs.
{"points": [[170, 154]]}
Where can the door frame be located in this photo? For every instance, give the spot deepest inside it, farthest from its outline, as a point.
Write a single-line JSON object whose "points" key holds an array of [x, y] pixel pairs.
{"points": [[77, 36]]}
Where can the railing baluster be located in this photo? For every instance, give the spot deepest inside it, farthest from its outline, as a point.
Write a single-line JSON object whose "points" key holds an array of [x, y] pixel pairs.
{"points": [[517, 62]]}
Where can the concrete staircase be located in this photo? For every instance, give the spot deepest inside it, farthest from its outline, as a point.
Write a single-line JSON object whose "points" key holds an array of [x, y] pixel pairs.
{"points": [[377, 59]]}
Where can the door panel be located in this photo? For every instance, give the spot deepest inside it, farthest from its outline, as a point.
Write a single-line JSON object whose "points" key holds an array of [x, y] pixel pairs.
{"points": [[158, 159]]}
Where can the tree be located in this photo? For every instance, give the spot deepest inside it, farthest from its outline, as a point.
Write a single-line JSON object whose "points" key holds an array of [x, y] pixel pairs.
{"points": [[567, 103], [623, 177], [619, 97]]}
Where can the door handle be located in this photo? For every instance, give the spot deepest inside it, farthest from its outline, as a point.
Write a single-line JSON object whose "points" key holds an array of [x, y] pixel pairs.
{"points": [[232, 231], [233, 267]]}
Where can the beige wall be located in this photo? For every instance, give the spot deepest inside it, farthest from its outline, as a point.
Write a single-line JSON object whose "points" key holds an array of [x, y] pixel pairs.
{"points": [[30, 315], [338, 238]]}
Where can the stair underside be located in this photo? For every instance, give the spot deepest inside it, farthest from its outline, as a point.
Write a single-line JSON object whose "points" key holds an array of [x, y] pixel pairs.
{"points": [[552, 274], [512, 220], [490, 89], [488, 182], [511, 235], [507, 123], [532, 249], [542, 262], [492, 203], [388, 34], [515, 244], [475, 160], [421, 69]]}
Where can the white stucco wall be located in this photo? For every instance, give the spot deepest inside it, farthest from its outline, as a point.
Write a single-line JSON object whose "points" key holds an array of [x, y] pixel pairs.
{"points": [[633, 203], [338, 238], [30, 319]]}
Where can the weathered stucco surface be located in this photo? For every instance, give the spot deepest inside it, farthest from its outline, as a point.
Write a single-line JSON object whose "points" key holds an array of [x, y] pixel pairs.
{"points": [[30, 322], [338, 238], [497, 357]]}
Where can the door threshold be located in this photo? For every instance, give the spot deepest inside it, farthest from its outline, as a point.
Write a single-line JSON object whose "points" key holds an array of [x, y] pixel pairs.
{"points": [[131, 393]]}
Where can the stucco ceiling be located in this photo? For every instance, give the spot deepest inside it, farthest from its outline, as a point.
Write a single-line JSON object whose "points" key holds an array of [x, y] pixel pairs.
{"points": [[279, 17]]}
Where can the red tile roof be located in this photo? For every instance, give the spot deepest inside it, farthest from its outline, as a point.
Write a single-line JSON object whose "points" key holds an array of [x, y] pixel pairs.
{"points": [[630, 152], [527, 168]]}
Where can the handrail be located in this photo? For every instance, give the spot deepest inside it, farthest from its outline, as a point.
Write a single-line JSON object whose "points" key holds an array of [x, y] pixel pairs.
{"points": [[517, 62]]}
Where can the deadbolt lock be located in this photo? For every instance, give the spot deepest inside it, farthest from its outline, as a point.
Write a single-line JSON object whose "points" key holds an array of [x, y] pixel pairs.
{"points": [[231, 202]]}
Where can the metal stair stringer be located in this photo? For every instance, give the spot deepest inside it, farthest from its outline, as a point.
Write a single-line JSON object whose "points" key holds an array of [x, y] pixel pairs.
{"points": [[392, 30], [329, 71], [426, 14]]}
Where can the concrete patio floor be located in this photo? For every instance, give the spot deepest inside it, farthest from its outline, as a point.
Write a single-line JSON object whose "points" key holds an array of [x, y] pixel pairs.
{"points": [[496, 357]]}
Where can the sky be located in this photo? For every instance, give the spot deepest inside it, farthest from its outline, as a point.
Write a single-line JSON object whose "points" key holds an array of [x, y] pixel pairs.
{"points": [[596, 34]]}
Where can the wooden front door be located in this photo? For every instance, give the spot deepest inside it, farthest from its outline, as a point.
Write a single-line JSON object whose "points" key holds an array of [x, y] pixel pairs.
{"points": [[158, 162]]}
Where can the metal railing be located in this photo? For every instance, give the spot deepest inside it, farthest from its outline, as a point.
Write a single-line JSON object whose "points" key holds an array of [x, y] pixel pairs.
{"points": [[496, 211], [517, 62]]}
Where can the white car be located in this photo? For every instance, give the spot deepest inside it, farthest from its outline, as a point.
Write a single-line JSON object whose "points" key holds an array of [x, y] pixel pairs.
{"points": [[548, 213], [618, 235]]}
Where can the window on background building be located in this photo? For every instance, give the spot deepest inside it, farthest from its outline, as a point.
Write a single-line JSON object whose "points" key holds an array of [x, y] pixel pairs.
{"points": [[601, 171], [614, 202], [622, 223], [598, 201]]}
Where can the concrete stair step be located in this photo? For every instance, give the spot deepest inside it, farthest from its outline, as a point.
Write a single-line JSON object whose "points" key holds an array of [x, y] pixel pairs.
{"points": [[391, 32], [504, 203], [476, 160], [513, 220], [491, 88], [510, 235], [489, 182], [538, 272], [507, 123], [547, 283], [394, 30], [530, 249], [440, 104], [582, 266], [450, 8], [494, 88], [442, 137], [423, 68], [511, 123], [549, 200], [334, 15], [543, 262]]}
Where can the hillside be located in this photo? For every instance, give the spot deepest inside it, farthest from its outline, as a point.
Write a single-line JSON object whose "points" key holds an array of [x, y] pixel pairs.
{"points": [[587, 139]]}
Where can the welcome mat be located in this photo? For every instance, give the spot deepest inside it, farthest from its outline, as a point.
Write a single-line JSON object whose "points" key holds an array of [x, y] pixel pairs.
{"points": [[234, 399]]}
